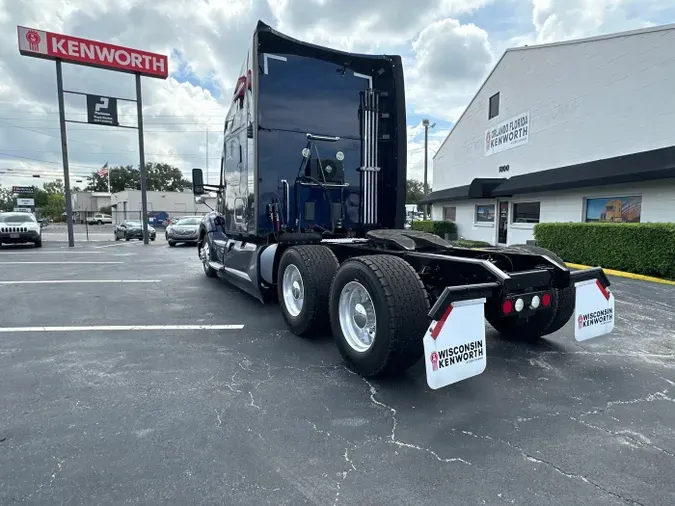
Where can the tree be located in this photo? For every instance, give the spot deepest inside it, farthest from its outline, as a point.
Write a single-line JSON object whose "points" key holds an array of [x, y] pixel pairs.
{"points": [[41, 197], [54, 187], [6, 199], [414, 191], [161, 177], [56, 206], [164, 177]]}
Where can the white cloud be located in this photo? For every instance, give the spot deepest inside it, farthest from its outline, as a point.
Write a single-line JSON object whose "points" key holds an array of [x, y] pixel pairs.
{"points": [[416, 152], [445, 60], [451, 59], [353, 24], [556, 20]]}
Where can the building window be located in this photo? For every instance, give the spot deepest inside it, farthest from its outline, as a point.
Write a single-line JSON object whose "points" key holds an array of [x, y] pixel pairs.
{"points": [[526, 212], [494, 106], [449, 213], [485, 213], [614, 210]]}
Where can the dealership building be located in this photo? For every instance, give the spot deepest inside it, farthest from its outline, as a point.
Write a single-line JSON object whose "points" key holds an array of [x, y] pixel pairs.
{"points": [[577, 131]]}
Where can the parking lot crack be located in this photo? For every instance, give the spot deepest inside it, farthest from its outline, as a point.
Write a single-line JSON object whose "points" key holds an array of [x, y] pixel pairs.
{"points": [[392, 439], [252, 403], [531, 458], [656, 396], [639, 439], [350, 467]]}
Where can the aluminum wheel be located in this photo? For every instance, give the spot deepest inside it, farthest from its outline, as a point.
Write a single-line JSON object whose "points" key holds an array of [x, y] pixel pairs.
{"points": [[293, 290], [205, 254], [356, 313]]}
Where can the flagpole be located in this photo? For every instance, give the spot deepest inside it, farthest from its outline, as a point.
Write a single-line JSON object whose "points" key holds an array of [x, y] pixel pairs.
{"points": [[109, 188]]}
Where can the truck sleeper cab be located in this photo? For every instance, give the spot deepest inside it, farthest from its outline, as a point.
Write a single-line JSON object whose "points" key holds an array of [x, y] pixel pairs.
{"points": [[311, 212]]}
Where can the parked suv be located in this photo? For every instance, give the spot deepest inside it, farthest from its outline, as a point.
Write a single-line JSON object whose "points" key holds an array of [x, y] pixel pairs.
{"points": [[18, 228], [100, 219]]}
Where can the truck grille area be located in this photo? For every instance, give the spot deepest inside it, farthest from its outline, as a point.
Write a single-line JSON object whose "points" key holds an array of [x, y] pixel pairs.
{"points": [[8, 230]]}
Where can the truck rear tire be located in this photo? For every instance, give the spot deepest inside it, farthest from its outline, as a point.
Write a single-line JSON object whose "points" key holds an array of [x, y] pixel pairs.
{"points": [[379, 314], [303, 287], [562, 306]]}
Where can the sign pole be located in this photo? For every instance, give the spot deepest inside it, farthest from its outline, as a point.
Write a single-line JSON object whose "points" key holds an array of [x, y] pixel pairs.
{"points": [[64, 151], [141, 150]]}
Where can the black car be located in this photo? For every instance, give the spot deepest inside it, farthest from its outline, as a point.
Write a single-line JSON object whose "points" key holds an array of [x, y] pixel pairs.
{"points": [[128, 230], [184, 230]]}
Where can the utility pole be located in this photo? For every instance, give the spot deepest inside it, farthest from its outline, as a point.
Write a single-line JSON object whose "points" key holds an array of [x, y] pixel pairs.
{"points": [[144, 169], [425, 122], [206, 167], [64, 155]]}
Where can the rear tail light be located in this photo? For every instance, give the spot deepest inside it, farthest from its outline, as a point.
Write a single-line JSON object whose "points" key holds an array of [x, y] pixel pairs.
{"points": [[535, 302], [507, 307], [546, 299]]}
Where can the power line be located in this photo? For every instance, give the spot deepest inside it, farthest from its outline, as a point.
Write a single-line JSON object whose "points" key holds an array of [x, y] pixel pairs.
{"points": [[184, 155], [185, 130], [41, 161]]}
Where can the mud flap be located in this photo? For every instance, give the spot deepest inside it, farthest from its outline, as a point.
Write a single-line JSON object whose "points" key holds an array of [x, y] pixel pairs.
{"points": [[454, 346], [594, 310]]}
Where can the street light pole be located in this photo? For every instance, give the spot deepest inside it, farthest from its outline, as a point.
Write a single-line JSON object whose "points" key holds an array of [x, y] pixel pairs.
{"points": [[425, 122]]}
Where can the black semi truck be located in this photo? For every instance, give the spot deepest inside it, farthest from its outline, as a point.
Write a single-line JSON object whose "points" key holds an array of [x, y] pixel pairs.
{"points": [[311, 210]]}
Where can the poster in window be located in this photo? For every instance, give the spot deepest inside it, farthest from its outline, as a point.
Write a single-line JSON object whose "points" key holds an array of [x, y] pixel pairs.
{"points": [[449, 213], [614, 210], [485, 213]]}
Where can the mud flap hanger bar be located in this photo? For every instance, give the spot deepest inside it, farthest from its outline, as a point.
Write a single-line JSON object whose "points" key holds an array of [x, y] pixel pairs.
{"points": [[456, 293], [591, 273], [467, 292]]}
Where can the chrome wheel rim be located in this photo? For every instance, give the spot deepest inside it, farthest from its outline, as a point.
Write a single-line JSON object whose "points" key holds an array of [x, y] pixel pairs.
{"points": [[356, 313], [205, 254], [293, 290]]}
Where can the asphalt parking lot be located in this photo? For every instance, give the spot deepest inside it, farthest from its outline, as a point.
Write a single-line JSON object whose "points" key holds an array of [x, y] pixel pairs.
{"points": [[235, 410], [58, 232]]}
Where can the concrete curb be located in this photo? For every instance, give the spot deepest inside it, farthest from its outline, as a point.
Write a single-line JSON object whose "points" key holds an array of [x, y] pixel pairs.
{"points": [[621, 274]]}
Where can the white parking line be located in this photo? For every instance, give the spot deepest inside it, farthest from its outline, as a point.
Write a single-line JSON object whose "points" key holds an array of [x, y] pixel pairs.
{"points": [[135, 243], [22, 252], [59, 263], [95, 328], [59, 281]]}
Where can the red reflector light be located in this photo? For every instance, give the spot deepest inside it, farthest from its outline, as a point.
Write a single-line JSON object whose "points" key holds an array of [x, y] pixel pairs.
{"points": [[507, 307], [546, 299]]}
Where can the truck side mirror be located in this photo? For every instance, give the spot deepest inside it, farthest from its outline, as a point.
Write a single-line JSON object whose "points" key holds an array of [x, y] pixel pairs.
{"points": [[197, 182]]}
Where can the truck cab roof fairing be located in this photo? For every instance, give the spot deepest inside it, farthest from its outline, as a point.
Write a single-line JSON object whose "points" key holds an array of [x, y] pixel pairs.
{"points": [[386, 76], [272, 41]]}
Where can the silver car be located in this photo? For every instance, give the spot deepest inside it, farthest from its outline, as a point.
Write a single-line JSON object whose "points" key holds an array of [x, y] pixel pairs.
{"points": [[185, 230]]}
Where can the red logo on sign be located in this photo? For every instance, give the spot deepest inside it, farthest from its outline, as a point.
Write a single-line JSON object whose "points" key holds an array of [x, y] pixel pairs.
{"points": [[581, 321], [487, 140], [33, 39], [434, 361]]}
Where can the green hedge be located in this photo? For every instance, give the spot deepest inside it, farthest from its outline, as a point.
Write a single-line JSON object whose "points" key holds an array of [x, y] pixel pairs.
{"points": [[440, 228], [640, 248]]}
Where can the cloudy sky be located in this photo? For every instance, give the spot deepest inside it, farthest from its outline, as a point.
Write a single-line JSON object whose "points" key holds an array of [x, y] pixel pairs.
{"points": [[448, 47]]}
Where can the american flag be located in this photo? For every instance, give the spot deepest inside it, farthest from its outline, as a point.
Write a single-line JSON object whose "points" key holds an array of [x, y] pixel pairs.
{"points": [[103, 171]]}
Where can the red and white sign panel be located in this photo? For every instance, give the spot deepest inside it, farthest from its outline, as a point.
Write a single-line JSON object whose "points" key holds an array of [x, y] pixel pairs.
{"points": [[52, 46]]}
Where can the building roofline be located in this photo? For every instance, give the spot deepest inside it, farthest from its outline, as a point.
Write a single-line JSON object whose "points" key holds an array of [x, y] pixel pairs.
{"points": [[616, 35]]}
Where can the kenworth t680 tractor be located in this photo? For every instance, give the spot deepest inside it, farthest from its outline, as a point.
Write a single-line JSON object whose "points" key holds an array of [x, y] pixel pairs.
{"points": [[311, 210]]}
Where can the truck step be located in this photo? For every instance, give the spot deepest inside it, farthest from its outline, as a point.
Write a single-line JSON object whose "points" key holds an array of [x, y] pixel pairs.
{"points": [[216, 265]]}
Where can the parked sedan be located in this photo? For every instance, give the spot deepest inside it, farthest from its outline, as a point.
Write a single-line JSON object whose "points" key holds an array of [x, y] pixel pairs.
{"points": [[184, 230], [128, 230]]}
